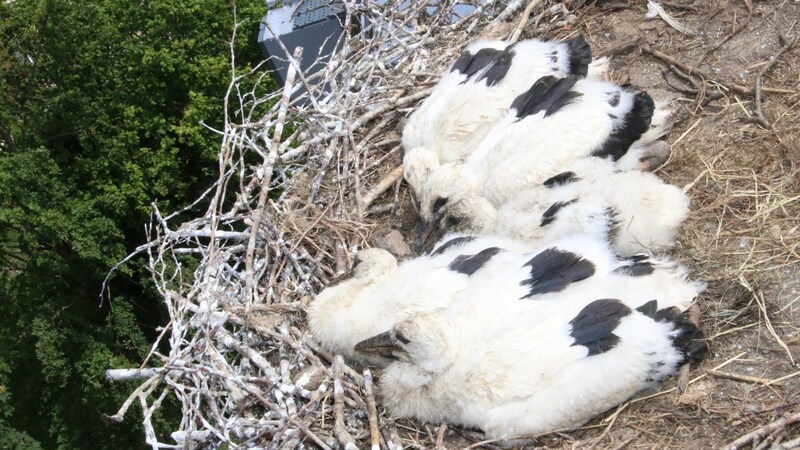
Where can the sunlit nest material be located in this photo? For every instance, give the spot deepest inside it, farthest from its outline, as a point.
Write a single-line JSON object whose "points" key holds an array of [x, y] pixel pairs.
{"points": [[306, 180]]}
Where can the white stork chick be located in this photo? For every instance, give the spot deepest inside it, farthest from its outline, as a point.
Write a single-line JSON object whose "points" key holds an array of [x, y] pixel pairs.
{"points": [[579, 265], [326, 315], [475, 93], [513, 367], [552, 125], [637, 211], [381, 293]]}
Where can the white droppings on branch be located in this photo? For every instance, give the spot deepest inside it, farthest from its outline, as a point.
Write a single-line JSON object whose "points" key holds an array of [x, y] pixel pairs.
{"points": [[131, 374]]}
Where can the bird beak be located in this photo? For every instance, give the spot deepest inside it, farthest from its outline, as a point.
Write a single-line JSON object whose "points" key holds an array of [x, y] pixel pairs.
{"points": [[385, 344], [429, 234]]}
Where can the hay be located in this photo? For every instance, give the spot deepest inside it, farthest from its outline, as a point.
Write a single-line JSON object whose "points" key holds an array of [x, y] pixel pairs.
{"points": [[306, 180]]}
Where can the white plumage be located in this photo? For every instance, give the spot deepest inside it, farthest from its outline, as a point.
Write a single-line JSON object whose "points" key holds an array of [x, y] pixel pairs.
{"points": [[635, 210], [475, 93], [334, 315], [539, 324], [514, 366], [555, 123], [381, 293]]}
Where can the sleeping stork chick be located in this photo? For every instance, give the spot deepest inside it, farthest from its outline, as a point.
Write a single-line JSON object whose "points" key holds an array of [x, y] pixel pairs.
{"points": [[326, 321], [381, 293], [475, 93], [555, 123], [637, 211], [511, 370]]}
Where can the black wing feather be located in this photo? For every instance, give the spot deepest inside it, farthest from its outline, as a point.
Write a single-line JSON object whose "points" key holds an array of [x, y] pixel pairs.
{"points": [[593, 326], [560, 179], [469, 64], [550, 214], [452, 242], [553, 270], [498, 68], [649, 309], [469, 264], [635, 124], [548, 94], [580, 55], [638, 265]]}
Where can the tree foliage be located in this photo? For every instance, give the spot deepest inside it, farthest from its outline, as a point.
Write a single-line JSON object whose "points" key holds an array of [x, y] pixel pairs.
{"points": [[100, 110]]}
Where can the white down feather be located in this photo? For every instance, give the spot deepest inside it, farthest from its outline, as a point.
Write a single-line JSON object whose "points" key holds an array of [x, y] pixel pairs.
{"points": [[638, 211], [519, 154], [460, 111], [509, 366]]}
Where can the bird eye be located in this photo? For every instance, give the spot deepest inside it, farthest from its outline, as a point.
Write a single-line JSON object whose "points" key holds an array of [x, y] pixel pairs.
{"points": [[402, 338], [453, 221], [437, 205]]}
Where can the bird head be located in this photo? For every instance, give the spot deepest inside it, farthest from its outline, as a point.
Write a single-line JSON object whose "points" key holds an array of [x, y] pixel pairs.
{"points": [[418, 164], [422, 341], [472, 214], [447, 184], [373, 262]]}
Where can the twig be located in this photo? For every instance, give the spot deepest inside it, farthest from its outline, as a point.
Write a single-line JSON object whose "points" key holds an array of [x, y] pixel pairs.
{"points": [[759, 118], [760, 433], [339, 430], [691, 70], [620, 49], [372, 410], [510, 9], [523, 20], [266, 174], [788, 445], [440, 436], [392, 437], [382, 186], [744, 378]]}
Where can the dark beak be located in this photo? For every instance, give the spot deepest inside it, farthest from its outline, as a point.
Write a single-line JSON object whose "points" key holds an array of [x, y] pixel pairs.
{"points": [[384, 344], [427, 236]]}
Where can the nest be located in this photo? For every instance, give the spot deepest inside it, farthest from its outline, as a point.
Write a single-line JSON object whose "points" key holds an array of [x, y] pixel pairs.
{"points": [[311, 173]]}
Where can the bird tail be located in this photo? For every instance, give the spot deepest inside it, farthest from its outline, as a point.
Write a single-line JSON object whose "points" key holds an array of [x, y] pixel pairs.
{"points": [[548, 94], [651, 150], [580, 56], [687, 338], [598, 69], [635, 124], [660, 125], [691, 341]]}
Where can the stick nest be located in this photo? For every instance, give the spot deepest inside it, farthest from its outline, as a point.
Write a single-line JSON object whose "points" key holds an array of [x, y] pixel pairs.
{"points": [[309, 174]]}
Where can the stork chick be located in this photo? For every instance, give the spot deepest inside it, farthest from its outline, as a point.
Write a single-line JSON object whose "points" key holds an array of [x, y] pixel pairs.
{"points": [[475, 93], [519, 371], [555, 123], [381, 293], [637, 211]]}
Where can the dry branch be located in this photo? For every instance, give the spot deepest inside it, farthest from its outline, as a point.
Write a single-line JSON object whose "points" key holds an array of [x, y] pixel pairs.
{"points": [[757, 435], [232, 279]]}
